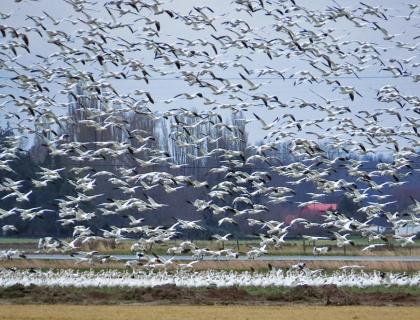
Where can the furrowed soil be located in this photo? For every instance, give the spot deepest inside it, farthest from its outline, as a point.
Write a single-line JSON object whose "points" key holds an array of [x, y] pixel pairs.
{"points": [[329, 295], [71, 312]]}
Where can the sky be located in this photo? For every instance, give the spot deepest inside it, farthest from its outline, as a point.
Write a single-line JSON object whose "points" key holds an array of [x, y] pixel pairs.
{"points": [[165, 87]]}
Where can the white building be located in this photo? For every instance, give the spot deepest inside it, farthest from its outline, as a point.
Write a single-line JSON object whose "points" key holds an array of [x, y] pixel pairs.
{"points": [[409, 229]]}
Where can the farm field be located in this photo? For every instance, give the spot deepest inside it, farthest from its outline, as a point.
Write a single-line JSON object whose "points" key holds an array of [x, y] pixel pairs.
{"points": [[291, 247], [330, 295], [71, 312], [259, 265]]}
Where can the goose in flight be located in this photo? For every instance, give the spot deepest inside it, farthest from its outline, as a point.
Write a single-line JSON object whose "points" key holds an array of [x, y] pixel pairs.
{"points": [[351, 91], [405, 240], [371, 247], [221, 239], [320, 250], [189, 225], [342, 240], [266, 126]]}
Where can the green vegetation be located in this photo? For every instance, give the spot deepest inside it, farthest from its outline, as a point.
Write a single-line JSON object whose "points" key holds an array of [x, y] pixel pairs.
{"points": [[275, 291], [412, 290], [290, 248], [11, 241]]}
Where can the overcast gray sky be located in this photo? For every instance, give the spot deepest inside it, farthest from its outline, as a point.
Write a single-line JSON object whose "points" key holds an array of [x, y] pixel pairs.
{"points": [[166, 87]]}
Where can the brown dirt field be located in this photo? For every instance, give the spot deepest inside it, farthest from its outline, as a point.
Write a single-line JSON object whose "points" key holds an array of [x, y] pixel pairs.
{"points": [[170, 294], [65, 312], [217, 265]]}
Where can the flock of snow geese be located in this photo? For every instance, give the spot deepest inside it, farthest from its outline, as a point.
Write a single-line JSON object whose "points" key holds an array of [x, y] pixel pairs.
{"points": [[208, 278], [190, 67]]}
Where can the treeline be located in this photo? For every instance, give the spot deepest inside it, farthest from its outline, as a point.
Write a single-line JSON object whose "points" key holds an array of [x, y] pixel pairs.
{"points": [[125, 142]]}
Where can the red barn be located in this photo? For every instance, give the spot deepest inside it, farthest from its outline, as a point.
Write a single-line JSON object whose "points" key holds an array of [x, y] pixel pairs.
{"points": [[319, 208], [311, 211]]}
